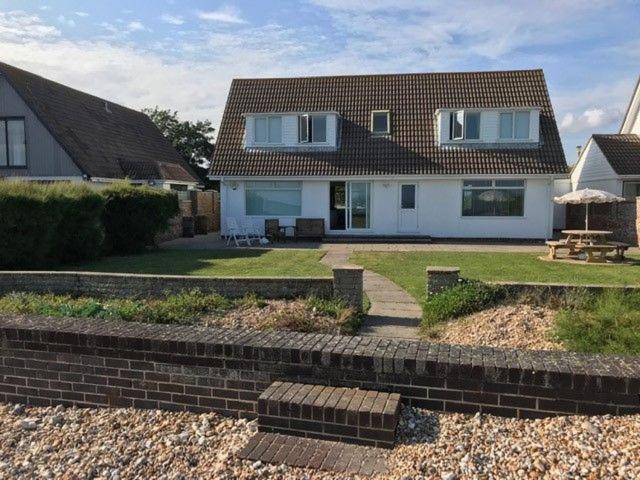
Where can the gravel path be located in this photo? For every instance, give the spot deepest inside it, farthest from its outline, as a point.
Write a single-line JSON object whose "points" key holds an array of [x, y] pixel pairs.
{"points": [[507, 326], [125, 444]]}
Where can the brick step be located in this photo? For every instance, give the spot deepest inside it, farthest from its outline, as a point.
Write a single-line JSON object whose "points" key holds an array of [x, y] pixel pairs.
{"points": [[364, 417], [317, 454]]}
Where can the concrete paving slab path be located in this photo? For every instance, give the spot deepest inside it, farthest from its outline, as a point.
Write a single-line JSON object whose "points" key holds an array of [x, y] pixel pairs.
{"points": [[393, 313]]}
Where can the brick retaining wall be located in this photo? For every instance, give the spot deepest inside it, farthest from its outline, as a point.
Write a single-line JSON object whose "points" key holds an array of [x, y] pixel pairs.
{"points": [[128, 285], [46, 361]]}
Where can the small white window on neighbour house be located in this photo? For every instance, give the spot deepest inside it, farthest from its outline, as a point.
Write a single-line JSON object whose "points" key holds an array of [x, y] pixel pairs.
{"points": [[464, 125], [515, 125], [268, 129], [312, 128], [380, 122]]}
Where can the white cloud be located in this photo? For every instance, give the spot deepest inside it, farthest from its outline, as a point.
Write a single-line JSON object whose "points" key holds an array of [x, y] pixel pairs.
{"points": [[18, 26], [81, 14], [135, 26], [225, 14], [590, 120], [69, 22], [172, 19]]}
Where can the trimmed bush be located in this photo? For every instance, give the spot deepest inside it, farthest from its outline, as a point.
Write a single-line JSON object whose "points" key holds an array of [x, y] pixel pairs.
{"points": [[607, 323], [47, 224], [463, 299], [134, 215]]}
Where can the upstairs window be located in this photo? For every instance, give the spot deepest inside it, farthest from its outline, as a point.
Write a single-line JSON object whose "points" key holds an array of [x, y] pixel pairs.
{"points": [[514, 125], [493, 198], [13, 144], [464, 125], [312, 128], [268, 129], [380, 122]]}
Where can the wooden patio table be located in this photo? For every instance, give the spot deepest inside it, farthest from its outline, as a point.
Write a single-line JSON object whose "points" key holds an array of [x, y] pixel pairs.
{"points": [[586, 237]]}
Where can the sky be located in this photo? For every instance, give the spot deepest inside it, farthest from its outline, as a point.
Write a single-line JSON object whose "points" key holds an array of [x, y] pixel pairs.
{"points": [[183, 54]]}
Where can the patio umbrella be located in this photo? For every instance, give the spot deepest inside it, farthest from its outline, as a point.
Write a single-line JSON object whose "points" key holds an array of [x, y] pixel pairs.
{"points": [[588, 196]]}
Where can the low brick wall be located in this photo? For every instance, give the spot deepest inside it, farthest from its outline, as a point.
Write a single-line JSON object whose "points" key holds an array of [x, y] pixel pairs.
{"points": [[47, 361], [133, 285]]}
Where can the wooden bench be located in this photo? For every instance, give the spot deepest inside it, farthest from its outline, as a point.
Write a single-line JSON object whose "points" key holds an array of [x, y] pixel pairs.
{"points": [[592, 250], [555, 245], [309, 228], [620, 249]]}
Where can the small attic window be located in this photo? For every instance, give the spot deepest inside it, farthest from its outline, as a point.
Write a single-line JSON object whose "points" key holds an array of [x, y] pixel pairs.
{"points": [[380, 122]]}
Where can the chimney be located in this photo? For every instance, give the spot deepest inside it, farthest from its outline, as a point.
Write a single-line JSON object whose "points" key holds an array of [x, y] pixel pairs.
{"points": [[106, 107], [579, 150]]}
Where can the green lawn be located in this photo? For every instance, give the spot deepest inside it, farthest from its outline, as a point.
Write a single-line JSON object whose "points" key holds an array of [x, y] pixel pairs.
{"points": [[407, 269], [223, 263]]}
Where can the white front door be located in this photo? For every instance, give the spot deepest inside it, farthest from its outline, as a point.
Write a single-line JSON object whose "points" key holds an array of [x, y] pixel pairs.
{"points": [[408, 212]]}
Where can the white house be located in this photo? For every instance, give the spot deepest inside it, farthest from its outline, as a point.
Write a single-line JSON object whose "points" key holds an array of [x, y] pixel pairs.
{"points": [[456, 155], [612, 162]]}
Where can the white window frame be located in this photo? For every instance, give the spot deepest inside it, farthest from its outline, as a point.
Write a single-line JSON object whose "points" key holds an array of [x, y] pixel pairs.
{"points": [[267, 118], [388, 115], [308, 118], [493, 186], [463, 138], [513, 137]]}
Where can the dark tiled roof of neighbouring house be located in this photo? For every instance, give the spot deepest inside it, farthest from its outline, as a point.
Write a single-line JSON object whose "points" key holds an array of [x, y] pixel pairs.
{"points": [[117, 143], [411, 149], [622, 151]]}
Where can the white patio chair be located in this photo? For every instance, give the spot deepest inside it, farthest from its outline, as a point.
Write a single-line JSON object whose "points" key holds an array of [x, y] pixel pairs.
{"points": [[235, 233], [251, 229]]}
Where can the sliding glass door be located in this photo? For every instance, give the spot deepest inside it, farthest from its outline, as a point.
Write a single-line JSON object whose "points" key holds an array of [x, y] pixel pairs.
{"points": [[350, 206]]}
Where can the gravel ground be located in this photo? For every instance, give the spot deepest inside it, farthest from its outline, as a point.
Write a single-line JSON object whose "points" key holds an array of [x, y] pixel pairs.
{"points": [[509, 326], [125, 444], [276, 314]]}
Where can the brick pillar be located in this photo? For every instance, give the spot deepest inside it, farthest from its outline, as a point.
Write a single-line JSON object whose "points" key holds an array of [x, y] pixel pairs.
{"points": [[441, 278], [347, 284]]}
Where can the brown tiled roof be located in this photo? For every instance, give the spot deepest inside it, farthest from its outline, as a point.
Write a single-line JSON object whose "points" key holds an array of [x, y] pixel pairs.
{"points": [[622, 151], [119, 144], [411, 149]]}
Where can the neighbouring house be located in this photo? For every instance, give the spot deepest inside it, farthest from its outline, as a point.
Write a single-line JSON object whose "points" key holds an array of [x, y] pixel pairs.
{"points": [[456, 155], [612, 162], [50, 132]]}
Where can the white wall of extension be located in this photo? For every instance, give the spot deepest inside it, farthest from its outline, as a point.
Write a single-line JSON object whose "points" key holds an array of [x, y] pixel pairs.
{"points": [[439, 205]]}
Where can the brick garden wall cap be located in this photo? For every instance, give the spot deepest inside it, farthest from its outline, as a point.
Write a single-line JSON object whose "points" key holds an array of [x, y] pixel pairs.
{"points": [[197, 345], [432, 269], [348, 267]]}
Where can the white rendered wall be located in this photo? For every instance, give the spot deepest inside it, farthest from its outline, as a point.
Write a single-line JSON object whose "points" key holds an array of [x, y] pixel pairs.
{"points": [[439, 204]]}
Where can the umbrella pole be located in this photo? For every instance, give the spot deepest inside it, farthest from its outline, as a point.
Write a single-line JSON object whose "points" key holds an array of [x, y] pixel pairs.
{"points": [[586, 220]]}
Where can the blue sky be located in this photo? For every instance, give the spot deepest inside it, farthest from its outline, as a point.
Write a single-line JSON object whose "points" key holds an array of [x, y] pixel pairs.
{"points": [[182, 54]]}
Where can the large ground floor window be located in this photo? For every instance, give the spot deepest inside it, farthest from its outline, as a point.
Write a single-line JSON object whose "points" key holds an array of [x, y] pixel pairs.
{"points": [[273, 198], [493, 198]]}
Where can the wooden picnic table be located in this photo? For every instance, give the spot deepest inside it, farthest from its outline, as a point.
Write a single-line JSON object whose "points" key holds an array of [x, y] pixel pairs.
{"points": [[593, 243], [586, 237]]}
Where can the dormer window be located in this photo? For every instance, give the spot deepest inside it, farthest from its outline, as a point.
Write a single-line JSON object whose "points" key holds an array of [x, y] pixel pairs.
{"points": [[312, 128], [268, 129], [380, 122], [464, 125], [514, 125]]}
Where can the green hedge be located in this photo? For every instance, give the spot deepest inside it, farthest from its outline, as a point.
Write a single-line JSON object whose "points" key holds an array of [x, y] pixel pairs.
{"points": [[134, 215], [44, 225], [48, 224]]}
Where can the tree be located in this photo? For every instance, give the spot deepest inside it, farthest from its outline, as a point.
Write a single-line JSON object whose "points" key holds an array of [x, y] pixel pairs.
{"points": [[193, 140]]}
